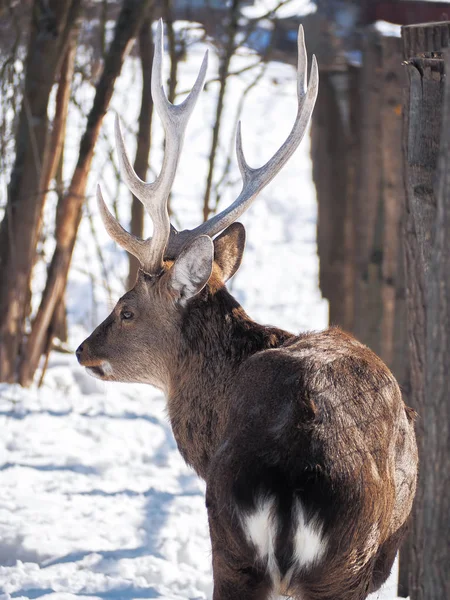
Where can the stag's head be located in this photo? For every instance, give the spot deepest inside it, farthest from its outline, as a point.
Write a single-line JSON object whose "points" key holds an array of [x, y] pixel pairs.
{"points": [[136, 341]]}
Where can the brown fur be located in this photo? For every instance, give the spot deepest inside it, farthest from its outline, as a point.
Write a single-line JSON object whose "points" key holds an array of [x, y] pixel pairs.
{"points": [[257, 410]]}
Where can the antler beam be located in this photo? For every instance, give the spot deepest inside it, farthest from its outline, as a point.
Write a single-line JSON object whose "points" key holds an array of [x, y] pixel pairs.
{"points": [[254, 180], [154, 195], [166, 241]]}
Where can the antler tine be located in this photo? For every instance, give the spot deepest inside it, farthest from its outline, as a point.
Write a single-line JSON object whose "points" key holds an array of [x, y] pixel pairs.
{"points": [[254, 180], [127, 241], [302, 63], [154, 195]]}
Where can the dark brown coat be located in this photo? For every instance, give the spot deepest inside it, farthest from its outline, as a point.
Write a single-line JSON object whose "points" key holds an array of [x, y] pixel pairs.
{"points": [[312, 423]]}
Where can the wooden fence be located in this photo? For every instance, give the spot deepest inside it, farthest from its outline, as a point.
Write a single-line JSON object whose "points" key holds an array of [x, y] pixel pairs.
{"points": [[381, 163]]}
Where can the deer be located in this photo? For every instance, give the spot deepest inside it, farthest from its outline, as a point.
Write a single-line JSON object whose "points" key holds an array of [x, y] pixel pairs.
{"points": [[306, 446]]}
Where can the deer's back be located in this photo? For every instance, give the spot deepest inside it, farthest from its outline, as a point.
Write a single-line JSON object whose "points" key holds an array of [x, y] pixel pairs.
{"points": [[319, 459]]}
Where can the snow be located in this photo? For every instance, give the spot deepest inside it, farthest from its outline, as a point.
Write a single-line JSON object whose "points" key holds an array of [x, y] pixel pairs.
{"points": [[292, 8], [95, 500], [388, 29]]}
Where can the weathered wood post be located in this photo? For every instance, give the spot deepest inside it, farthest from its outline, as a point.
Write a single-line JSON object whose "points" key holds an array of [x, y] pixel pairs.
{"points": [[422, 128], [436, 418]]}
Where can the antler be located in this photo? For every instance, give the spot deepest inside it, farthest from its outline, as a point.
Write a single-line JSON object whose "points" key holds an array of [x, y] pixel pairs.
{"points": [[254, 180], [154, 195], [166, 241]]}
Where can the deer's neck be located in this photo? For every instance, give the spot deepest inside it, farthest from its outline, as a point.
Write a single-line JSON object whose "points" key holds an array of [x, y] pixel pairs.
{"points": [[217, 338]]}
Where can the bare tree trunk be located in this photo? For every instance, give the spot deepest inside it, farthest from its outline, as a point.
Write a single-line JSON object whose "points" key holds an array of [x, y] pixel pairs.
{"points": [[422, 128], [59, 322], [393, 336], [127, 27], [103, 22], [436, 459], [144, 138], [167, 10], [61, 109], [335, 153], [54, 168], [223, 75], [52, 23], [368, 210], [59, 325], [391, 347]]}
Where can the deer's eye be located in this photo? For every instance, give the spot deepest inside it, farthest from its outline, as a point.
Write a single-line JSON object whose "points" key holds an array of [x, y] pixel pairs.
{"points": [[126, 315]]}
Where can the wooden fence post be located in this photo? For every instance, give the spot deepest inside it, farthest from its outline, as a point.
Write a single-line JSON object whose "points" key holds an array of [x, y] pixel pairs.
{"points": [[422, 127], [436, 418]]}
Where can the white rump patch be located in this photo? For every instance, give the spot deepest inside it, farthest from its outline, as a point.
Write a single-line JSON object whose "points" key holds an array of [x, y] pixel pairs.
{"points": [[309, 543], [260, 528]]}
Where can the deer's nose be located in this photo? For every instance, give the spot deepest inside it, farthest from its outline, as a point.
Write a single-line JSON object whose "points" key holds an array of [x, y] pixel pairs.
{"points": [[79, 352]]}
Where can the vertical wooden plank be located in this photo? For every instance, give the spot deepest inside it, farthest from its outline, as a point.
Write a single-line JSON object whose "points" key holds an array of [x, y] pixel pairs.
{"points": [[422, 126], [436, 458]]}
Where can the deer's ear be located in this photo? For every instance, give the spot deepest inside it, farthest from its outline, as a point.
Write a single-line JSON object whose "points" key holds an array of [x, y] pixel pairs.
{"points": [[229, 248], [192, 268]]}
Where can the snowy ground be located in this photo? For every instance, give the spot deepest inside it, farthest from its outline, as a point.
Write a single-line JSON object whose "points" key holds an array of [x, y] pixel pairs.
{"points": [[95, 501]]}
